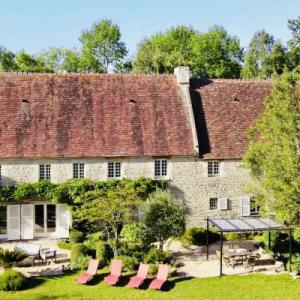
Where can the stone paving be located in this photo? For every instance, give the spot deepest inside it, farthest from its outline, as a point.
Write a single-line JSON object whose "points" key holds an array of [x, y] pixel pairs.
{"points": [[50, 268], [192, 260]]}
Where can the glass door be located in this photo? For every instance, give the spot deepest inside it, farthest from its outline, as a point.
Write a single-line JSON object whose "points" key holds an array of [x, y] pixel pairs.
{"points": [[45, 219]]}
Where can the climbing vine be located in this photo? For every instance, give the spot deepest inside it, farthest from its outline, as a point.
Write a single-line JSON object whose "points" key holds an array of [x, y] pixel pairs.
{"points": [[76, 191]]}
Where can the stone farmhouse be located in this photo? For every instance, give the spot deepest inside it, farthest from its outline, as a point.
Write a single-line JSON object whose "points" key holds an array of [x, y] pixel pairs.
{"points": [[191, 132]]}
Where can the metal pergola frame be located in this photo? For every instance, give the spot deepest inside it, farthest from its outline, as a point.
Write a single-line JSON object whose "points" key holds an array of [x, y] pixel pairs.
{"points": [[236, 229]]}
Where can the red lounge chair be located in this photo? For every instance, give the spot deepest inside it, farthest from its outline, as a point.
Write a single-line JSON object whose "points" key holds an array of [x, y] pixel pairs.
{"points": [[137, 281], [116, 269], [90, 273], [161, 277]]}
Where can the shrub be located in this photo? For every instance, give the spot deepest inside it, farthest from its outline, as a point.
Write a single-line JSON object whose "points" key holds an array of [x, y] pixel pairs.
{"points": [[64, 245], [296, 235], [9, 258], [129, 263], [79, 257], [233, 236], [103, 253], [92, 239], [157, 256], [11, 280], [197, 236], [76, 236], [279, 241], [135, 236], [153, 268]]}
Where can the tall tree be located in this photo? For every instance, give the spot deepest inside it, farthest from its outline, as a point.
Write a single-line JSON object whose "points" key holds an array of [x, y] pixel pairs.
{"points": [[293, 54], [7, 60], [102, 48], [61, 60], [212, 54], [257, 63], [273, 154]]}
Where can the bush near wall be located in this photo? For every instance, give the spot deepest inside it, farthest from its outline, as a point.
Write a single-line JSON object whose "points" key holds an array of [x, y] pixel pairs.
{"points": [[197, 236]]}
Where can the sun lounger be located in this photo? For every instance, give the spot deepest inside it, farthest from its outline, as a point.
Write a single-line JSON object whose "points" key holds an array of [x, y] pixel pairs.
{"points": [[161, 277], [116, 270], [90, 273], [137, 281]]}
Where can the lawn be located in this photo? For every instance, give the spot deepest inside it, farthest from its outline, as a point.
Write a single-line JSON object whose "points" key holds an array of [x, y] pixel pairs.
{"points": [[258, 286]]}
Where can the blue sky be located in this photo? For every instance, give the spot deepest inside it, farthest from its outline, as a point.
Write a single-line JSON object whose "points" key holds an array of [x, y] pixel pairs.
{"points": [[36, 24]]}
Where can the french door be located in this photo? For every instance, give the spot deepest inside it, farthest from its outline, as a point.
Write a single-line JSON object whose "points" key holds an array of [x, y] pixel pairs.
{"points": [[44, 220]]}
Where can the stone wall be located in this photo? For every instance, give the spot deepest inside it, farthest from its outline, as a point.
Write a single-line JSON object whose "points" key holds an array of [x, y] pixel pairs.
{"points": [[187, 176]]}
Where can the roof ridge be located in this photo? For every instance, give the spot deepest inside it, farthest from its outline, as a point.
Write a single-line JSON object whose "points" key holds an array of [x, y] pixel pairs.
{"points": [[240, 79], [86, 74]]}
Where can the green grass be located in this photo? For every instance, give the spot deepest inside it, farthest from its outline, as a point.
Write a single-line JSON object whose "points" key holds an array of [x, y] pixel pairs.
{"points": [[258, 286]]}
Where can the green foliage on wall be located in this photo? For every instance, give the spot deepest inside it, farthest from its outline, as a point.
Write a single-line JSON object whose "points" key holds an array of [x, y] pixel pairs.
{"points": [[76, 191]]}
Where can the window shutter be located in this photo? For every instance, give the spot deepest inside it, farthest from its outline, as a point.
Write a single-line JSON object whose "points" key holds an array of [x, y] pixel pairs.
{"points": [[27, 221], [245, 206], [222, 203], [63, 221], [13, 222]]}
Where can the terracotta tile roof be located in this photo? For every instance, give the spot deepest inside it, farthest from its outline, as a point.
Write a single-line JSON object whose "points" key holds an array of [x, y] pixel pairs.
{"points": [[72, 115], [224, 109]]}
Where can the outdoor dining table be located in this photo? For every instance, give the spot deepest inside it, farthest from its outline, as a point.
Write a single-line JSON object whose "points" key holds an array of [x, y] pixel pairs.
{"points": [[237, 255]]}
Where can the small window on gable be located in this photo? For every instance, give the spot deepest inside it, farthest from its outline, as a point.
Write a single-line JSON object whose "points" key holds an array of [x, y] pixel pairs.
{"points": [[45, 172], [78, 170], [114, 169], [213, 203], [161, 168], [213, 168]]}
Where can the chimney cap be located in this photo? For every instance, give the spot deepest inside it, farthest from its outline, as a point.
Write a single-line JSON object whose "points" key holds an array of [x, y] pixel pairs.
{"points": [[182, 74]]}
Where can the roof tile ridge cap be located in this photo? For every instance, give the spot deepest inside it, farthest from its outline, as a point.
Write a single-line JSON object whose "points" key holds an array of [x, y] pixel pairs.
{"points": [[262, 80]]}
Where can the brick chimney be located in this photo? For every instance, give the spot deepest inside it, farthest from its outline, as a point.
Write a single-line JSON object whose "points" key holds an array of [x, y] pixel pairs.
{"points": [[183, 76]]}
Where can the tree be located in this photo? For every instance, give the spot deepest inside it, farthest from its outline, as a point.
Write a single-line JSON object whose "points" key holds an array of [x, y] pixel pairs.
{"points": [[118, 207], [257, 64], [102, 48], [164, 217], [293, 55], [28, 63], [273, 153], [213, 54], [7, 62], [61, 60]]}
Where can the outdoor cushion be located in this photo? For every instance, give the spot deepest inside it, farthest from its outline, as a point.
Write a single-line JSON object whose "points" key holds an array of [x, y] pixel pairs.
{"points": [[116, 270], [30, 249], [90, 273], [137, 280]]}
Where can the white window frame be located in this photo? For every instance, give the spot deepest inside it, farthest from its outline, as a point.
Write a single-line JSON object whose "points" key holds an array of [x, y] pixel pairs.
{"points": [[78, 170], [254, 208], [114, 169], [45, 172], [161, 167], [213, 168]]}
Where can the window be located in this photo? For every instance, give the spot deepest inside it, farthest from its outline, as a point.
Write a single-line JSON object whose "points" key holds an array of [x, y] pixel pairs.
{"points": [[213, 168], [3, 220], [254, 208], [161, 168], [45, 172], [213, 203], [114, 169], [78, 170]]}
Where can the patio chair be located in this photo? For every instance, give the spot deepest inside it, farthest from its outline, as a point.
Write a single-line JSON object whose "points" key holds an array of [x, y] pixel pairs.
{"points": [[161, 277], [90, 273], [250, 262], [115, 273], [137, 281], [48, 253]]}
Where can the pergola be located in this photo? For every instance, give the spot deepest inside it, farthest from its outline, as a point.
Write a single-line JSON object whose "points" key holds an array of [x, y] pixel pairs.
{"points": [[240, 225]]}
